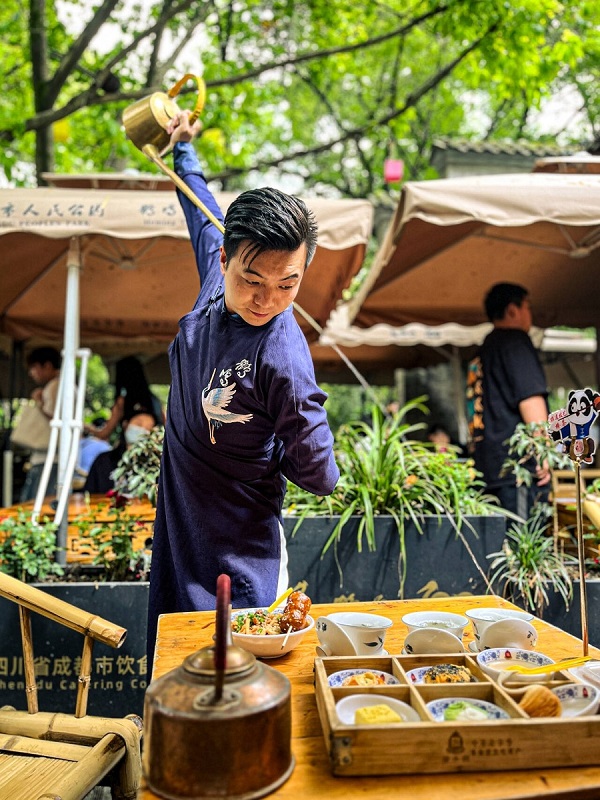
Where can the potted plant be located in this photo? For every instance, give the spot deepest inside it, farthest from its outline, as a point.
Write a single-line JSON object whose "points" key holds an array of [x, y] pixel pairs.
{"points": [[529, 569], [404, 520]]}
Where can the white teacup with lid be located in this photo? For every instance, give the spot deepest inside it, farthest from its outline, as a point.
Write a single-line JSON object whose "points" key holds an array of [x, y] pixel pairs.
{"points": [[352, 633], [482, 618]]}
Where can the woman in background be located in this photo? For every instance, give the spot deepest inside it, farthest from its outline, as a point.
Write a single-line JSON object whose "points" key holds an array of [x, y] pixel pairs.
{"points": [[132, 396]]}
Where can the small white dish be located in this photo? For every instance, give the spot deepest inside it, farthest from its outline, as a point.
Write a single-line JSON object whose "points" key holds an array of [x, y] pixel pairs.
{"points": [[416, 676], [337, 678], [437, 709], [578, 699], [509, 633], [494, 662], [346, 707], [436, 620], [432, 640]]}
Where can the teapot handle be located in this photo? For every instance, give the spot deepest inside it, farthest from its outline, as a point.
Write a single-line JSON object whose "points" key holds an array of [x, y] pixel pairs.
{"points": [[222, 631], [200, 99]]}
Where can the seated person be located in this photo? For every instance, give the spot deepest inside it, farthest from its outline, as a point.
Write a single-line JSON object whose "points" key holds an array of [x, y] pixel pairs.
{"points": [[439, 436], [99, 480]]}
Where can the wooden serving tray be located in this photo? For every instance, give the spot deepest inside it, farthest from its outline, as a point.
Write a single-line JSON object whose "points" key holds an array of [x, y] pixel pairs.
{"points": [[427, 746]]}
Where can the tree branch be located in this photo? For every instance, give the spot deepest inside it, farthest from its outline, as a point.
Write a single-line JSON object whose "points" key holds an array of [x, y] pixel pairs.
{"points": [[72, 56], [354, 133]]}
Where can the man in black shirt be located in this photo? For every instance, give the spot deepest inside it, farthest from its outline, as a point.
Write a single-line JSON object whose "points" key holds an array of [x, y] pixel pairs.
{"points": [[506, 386]]}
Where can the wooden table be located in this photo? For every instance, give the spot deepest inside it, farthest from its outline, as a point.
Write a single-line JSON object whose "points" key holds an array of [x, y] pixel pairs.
{"points": [[182, 634]]}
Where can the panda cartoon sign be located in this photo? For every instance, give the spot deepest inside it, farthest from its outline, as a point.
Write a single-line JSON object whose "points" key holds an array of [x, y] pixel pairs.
{"points": [[571, 425]]}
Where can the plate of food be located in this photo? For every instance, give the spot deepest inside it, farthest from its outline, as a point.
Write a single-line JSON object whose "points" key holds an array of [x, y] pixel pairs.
{"points": [[464, 709], [441, 673], [361, 677]]}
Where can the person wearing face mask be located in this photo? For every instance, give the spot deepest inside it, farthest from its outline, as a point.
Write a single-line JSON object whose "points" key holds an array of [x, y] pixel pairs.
{"points": [[99, 480]]}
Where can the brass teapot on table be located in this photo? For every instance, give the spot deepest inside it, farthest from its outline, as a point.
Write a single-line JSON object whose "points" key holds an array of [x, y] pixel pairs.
{"points": [[220, 724], [145, 123]]}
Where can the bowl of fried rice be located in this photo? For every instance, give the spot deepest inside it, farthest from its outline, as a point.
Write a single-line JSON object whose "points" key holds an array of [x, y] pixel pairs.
{"points": [[260, 633]]}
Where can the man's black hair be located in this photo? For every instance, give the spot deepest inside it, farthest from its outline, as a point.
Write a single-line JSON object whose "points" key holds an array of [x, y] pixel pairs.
{"points": [[270, 220], [40, 355], [500, 296]]}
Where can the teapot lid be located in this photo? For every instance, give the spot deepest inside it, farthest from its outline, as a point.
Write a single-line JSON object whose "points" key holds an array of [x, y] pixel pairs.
{"points": [[202, 662]]}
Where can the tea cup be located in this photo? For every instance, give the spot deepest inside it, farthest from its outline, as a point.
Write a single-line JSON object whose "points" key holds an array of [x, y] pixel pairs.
{"points": [[482, 618], [352, 633]]}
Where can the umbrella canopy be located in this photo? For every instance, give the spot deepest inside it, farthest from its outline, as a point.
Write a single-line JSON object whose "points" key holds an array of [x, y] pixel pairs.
{"points": [[138, 274], [451, 240]]}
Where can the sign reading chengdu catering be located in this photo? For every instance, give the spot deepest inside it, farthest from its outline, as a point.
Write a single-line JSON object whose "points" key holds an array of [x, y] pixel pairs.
{"points": [[119, 676]]}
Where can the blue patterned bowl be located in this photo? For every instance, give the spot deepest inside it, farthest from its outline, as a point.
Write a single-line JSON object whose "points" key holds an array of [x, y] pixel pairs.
{"points": [[578, 699], [438, 708], [494, 662]]}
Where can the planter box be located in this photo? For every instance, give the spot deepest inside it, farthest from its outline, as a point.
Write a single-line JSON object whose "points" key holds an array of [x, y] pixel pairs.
{"points": [[119, 676], [570, 620], [438, 563]]}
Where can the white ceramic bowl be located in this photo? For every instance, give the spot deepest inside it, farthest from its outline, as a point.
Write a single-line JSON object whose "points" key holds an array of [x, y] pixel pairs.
{"points": [[437, 708], [338, 678], [269, 646], [494, 662], [346, 707], [439, 620], [578, 699], [509, 633]]}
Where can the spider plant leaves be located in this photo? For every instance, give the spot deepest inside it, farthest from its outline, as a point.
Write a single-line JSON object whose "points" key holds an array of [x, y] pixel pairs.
{"points": [[385, 471]]}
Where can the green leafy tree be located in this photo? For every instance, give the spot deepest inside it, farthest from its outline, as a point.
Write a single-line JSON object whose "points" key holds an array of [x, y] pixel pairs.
{"points": [[317, 93]]}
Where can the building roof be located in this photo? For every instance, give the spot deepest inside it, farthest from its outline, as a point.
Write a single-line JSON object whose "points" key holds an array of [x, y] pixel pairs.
{"points": [[521, 147]]}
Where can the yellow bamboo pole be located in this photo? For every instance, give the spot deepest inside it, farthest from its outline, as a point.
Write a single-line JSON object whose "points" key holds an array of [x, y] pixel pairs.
{"points": [[85, 676], [28, 660], [62, 612]]}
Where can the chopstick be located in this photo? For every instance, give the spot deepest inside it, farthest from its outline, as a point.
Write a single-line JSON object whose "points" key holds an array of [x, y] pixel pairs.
{"points": [[279, 600], [287, 636]]}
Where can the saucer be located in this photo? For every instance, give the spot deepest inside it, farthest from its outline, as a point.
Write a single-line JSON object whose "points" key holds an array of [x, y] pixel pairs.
{"points": [[432, 640]]}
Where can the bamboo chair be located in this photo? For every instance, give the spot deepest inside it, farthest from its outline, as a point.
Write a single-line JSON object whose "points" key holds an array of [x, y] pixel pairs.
{"points": [[57, 756]]}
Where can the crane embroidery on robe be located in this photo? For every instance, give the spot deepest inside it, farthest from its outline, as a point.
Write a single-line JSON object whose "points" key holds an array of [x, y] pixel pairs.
{"points": [[214, 405]]}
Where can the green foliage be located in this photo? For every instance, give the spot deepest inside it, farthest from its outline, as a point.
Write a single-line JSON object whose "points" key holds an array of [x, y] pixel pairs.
{"points": [[136, 474], [114, 545], [356, 82], [529, 565], [384, 471], [528, 447], [27, 549]]}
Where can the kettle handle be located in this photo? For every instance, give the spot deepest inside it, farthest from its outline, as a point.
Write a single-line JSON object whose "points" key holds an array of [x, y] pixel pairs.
{"points": [[200, 99], [222, 625]]}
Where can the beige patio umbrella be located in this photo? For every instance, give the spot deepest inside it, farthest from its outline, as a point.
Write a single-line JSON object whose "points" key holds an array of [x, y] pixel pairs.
{"points": [[138, 275], [450, 240]]}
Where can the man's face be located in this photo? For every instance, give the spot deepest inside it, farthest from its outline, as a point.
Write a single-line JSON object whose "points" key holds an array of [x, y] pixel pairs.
{"points": [[41, 373], [522, 316], [260, 288]]}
